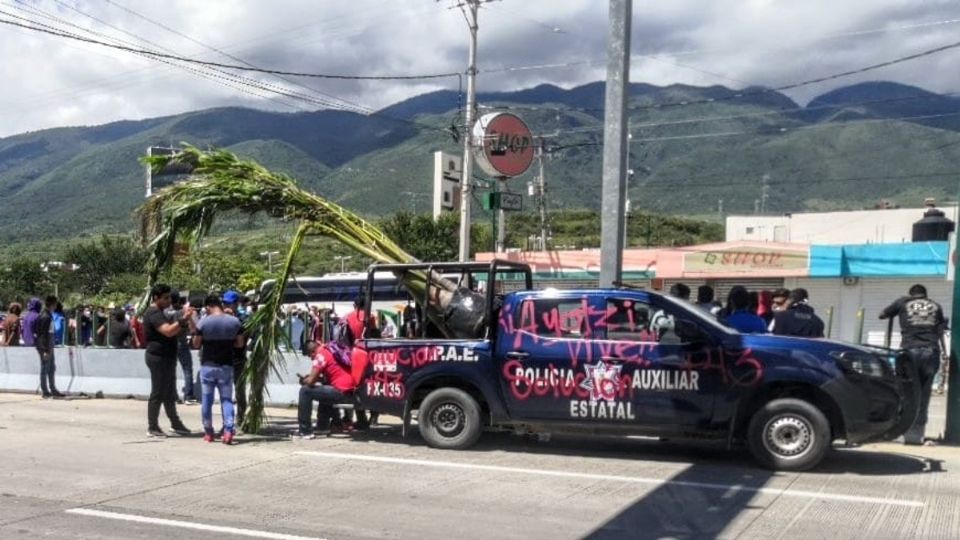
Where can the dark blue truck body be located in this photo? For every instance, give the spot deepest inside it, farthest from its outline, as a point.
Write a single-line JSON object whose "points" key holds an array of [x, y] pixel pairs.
{"points": [[636, 362]]}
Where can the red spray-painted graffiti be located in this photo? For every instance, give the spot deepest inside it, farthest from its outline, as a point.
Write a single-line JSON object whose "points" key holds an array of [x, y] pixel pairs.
{"points": [[580, 331], [388, 385]]}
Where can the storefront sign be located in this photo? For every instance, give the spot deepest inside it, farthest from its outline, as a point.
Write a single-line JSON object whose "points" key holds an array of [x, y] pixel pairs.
{"points": [[504, 144], [745, 260]]}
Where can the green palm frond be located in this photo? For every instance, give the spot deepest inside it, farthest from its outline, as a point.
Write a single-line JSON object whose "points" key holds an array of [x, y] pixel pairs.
{"points": [[221, 182]]}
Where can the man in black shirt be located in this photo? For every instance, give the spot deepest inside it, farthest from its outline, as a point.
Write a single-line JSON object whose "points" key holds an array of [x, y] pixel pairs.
{"points": [[43, 339], [921, 328], [161, 356], [799, 318]]}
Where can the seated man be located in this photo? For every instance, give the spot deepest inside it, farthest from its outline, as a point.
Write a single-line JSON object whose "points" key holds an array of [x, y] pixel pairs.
{"points": [[339, 386]]}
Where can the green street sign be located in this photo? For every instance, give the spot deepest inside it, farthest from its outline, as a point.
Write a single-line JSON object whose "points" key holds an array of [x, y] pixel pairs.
{"points": [[501, 200]]}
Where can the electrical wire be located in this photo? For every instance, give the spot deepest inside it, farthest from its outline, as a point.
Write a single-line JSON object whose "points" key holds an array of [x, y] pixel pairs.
{"points": [[229, 77], [237, 67], [334, 99], [224, 79]]}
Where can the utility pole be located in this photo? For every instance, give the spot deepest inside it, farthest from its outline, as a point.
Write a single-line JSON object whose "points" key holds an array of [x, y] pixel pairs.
{"points": [[537, 189], [466, 188], [952, 433], [764, 193], [269, 255], [542, 199], [615, 143]]}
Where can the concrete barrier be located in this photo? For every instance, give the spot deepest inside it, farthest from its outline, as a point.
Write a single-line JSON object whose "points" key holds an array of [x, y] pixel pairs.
{"points": [[120, 372]]}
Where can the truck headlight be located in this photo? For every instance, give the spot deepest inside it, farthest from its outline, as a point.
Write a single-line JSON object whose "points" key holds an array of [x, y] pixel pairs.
{"points": [[870, 365]]}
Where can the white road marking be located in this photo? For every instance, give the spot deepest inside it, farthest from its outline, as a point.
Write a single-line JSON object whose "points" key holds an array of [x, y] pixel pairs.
{"points": [[627, 479], [186, 524]]}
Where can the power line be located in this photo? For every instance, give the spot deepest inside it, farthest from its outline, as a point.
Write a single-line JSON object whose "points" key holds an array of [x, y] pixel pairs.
{"points": [[231, 78], [225, 79], [778, 112], [157, 54], [232, 57]]}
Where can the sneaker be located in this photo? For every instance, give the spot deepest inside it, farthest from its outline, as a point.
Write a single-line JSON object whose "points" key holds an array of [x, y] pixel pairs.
{"points": [[156, 434], [303, 436], [208, 437], [191, 401], [47, 396], [181, 430], [227, 438]]}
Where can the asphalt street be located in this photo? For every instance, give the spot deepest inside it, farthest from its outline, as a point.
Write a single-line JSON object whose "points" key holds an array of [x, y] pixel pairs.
{"points": [[84, 469]]}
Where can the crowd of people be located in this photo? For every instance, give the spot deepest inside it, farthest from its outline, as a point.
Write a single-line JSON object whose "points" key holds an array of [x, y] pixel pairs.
{"points": [[781, 312], [171, 328]]}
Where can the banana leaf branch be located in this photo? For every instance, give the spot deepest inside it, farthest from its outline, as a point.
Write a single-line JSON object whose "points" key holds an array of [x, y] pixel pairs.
{"points": [[221, 182]]}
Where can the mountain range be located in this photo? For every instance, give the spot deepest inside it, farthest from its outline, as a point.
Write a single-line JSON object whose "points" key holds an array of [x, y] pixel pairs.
{"points": [[691, 148]]}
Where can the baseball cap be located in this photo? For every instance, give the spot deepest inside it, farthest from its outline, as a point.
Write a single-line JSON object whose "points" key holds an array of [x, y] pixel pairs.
{"points": [[231, 297]]}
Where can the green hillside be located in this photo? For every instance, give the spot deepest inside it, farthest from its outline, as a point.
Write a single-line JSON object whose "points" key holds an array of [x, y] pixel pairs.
{"points": [[716, 144]]}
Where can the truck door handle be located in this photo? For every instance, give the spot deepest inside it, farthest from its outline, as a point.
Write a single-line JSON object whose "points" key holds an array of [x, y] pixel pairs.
{"points": [[518, 355]]}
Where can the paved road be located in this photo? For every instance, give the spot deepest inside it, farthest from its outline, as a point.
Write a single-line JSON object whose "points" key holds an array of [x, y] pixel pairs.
{"points": [[83, 469]]}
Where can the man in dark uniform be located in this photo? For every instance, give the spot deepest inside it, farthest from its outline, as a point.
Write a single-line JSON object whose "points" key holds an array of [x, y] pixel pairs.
{"points": [[921, 329], [799, 318]]}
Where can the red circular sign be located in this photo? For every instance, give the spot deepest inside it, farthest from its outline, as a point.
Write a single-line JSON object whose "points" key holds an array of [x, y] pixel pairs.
{"points": [[504, 144]]}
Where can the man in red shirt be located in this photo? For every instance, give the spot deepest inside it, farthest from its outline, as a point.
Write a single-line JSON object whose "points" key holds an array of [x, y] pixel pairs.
{"points": [[337, 388]]}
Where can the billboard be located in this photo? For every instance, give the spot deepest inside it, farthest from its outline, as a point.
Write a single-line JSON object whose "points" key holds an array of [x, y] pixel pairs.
{"points": [[169, 175]]}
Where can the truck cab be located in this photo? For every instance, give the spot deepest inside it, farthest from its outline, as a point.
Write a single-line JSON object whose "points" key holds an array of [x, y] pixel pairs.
{"points": [[632, 362]]}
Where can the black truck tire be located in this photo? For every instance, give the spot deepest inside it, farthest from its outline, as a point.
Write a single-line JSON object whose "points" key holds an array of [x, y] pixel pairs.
{"points": [[449, 418], [788, 435]]}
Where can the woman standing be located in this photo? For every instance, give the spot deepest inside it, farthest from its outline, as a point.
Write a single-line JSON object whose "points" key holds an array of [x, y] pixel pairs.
{"points": [[161, 357], [11, 326]]}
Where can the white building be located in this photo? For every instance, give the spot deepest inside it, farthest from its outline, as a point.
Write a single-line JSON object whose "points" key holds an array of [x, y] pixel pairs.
{"points": [[883, 226]]}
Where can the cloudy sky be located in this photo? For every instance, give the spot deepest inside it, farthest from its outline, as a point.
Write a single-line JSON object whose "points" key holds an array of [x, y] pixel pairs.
{"points": [[50, 81]]}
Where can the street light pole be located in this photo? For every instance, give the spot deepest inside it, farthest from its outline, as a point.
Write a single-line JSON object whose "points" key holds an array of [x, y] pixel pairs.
{"points": [[269, 255], [343, 259]]}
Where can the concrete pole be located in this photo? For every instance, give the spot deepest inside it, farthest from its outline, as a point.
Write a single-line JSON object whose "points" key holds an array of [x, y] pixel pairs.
{"points": [[498, 216], [615, 143], [466, 189], [952, 433], [542, 199]]}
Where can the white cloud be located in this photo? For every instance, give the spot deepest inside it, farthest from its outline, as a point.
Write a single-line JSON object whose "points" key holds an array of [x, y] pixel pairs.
{"points": [[51, 82]]}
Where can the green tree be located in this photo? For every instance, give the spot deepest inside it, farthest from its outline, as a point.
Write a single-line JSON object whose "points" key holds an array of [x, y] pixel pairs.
{"points": [[98, 262], [423, 237], [24, 277]]}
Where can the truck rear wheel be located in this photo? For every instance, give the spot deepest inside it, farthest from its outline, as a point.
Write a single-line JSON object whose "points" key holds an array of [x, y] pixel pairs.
{"points": [[449, 418], [788, 435]]}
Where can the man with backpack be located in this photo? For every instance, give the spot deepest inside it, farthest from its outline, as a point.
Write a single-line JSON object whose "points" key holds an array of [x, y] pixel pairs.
{"points": [[339, 385]]}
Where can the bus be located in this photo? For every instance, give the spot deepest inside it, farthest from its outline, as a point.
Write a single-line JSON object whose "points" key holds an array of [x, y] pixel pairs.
{"points": [[337, 291]]}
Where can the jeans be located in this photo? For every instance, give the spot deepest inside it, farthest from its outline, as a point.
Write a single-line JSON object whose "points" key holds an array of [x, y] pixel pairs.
{"points": [[326, 396], [219, 378], [185, 357], [927, 360], [163, 390], [47, 368]]}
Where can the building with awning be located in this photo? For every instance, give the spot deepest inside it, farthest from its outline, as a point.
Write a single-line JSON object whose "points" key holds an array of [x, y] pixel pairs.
{"points": [[841, 279]]}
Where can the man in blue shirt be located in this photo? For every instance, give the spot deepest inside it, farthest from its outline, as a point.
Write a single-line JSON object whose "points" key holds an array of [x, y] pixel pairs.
{"points": [[217, 334], [739, 316]]}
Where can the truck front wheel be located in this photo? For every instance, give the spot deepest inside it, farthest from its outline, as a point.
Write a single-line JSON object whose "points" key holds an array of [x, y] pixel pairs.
{"points": [[449, 418], [788, 435]]}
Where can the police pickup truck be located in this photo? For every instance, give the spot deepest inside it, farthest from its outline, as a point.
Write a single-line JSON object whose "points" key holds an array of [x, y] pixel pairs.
{"points": [[629, 362]]}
